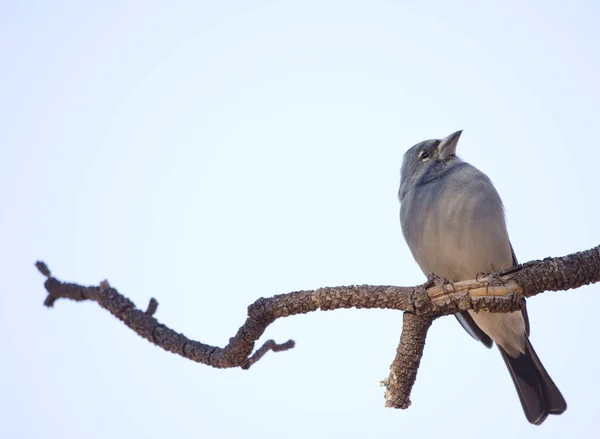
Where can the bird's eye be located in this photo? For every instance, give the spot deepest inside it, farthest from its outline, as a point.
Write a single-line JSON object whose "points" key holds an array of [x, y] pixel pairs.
{"points": [[424, 155]]}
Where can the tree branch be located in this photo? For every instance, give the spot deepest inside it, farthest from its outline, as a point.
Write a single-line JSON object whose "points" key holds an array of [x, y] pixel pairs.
{"points": [[502, 292], [403, 371]]}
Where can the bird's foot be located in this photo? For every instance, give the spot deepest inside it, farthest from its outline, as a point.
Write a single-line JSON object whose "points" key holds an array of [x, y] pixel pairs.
{"points": [[434, 279], [491, 279]]}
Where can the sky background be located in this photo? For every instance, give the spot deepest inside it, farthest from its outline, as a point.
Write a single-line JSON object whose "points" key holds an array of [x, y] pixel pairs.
{"points": [[210, 153]]}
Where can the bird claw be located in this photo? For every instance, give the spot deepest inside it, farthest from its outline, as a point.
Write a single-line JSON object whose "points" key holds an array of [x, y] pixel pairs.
{"points": [[434, 279], [490, 277]]}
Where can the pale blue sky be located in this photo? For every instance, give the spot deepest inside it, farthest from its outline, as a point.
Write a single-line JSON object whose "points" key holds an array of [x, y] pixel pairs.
{"points": [[210, 153]]}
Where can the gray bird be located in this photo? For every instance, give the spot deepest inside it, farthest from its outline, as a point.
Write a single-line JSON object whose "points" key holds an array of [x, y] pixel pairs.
{"points": [[453, 221]]}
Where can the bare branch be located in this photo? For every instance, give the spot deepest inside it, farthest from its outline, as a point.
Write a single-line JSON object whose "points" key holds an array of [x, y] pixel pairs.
{"points": [[403, 371], [502, 292]]}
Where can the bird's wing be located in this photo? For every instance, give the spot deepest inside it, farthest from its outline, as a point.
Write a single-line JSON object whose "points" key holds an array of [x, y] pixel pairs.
{"points": [[524, 310], [467, 322]]}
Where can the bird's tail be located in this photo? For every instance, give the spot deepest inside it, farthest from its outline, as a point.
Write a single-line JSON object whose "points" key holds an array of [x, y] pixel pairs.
{"points": [[538, 394]]}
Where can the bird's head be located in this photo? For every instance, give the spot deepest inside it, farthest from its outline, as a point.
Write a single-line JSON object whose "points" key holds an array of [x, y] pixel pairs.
{"points": [[427, 161]]}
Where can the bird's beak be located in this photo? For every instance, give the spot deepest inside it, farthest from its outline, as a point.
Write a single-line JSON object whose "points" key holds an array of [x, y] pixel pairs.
{"points": [[447, 146]]}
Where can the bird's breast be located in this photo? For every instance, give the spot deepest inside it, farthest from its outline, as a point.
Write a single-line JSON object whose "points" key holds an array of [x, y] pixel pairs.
{"points": [[456, 229]]}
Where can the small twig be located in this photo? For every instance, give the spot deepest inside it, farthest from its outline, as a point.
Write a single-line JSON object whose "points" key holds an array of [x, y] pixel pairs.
{"points": [[43, 268], [269, 345], [152, 306]]}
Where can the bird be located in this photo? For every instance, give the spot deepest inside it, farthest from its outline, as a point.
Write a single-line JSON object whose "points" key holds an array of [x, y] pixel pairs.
{"points": [[453, 221]]}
